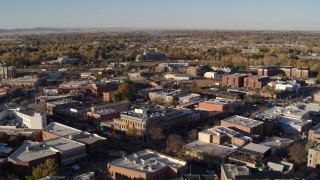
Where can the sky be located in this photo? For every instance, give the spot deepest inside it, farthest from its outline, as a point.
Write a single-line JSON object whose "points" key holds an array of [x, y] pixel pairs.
{"points": [[172, 14]]}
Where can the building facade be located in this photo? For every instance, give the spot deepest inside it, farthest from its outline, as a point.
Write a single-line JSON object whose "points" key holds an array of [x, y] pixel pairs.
{"points": [[7, 72], [233, 80]]}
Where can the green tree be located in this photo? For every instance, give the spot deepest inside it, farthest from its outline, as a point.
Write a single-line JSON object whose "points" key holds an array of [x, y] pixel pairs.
{"points": [[49, 168]]}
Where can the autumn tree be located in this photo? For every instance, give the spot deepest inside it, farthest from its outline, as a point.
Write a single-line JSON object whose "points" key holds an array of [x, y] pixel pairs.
{"points": [[174, 143], [126, 91], [49, 168]]}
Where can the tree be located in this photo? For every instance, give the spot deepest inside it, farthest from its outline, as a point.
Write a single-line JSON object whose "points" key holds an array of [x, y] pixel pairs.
{"points": [[156, 133], [193, 135], [174, 143], [24, 102], [298, 154], [309, 145], [126, 91], [49, 168], [3, 136], [195, 87]]}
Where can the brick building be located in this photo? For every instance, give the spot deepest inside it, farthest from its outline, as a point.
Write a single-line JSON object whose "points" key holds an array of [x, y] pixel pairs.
{"points": [[314, 133], [54, 106], [220, 105], [301, 73], [244, 125], [147, 165], [195, 71], [93, 143], [256, 82], [145, 118], [233, 80]]}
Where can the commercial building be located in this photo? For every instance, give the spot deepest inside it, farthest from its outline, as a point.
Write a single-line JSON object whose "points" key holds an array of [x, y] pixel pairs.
{"points": [[220, 105], [152, 56], [25, 117], [147, 165], [178, 77], [211, 75], [93, 143], [251, 155], [222, 135], [7, 72], [231, 171], [165, 95], [301, 73], [255, 82], [290, 85], [314, 133], [30, 155], [143, 119], [208, 152], [172, 67], [314, 156], [53, 106], [233, 80], [278, 145], [293, 122], [102, 115], [116, 106], [21, 82], [247, 126], [187, 98]]}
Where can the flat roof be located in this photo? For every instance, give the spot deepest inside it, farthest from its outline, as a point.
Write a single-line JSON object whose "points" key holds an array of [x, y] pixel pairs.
{"points": [[236, 74], [22, 154], [256, 148], [62, 101], [63, 144], [148, 161], [64, 131], [210, 148], [221, 101], [277, 143], [243, 121]]}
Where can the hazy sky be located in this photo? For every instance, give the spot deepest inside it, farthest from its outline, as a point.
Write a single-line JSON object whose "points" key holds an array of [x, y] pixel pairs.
{"points": [[207, 14]]}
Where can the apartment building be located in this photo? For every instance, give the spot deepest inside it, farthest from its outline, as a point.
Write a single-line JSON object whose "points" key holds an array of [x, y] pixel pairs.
{"points": [[314, 156], [255, 82], [233, 80], [7, 72], [220, 105], [301, 73], [195, 71], [147, 165]]}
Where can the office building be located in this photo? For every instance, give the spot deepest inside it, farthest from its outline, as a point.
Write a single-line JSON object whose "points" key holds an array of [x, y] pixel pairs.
{"points": [[247, 126], [147, 165]]}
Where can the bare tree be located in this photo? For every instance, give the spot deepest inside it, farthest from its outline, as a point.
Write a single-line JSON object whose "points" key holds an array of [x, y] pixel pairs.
{"points": [[156, 133], [298, 154], [174, 143], [193, 135]]}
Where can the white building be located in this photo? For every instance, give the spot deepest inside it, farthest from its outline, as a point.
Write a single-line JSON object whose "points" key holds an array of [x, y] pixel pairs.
{"points": [[211, 75], [27, 117], [290, 85], [178, 77]]}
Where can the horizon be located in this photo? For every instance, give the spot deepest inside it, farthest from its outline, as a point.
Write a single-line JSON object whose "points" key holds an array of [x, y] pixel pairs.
{"points": [[272, 15]]}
